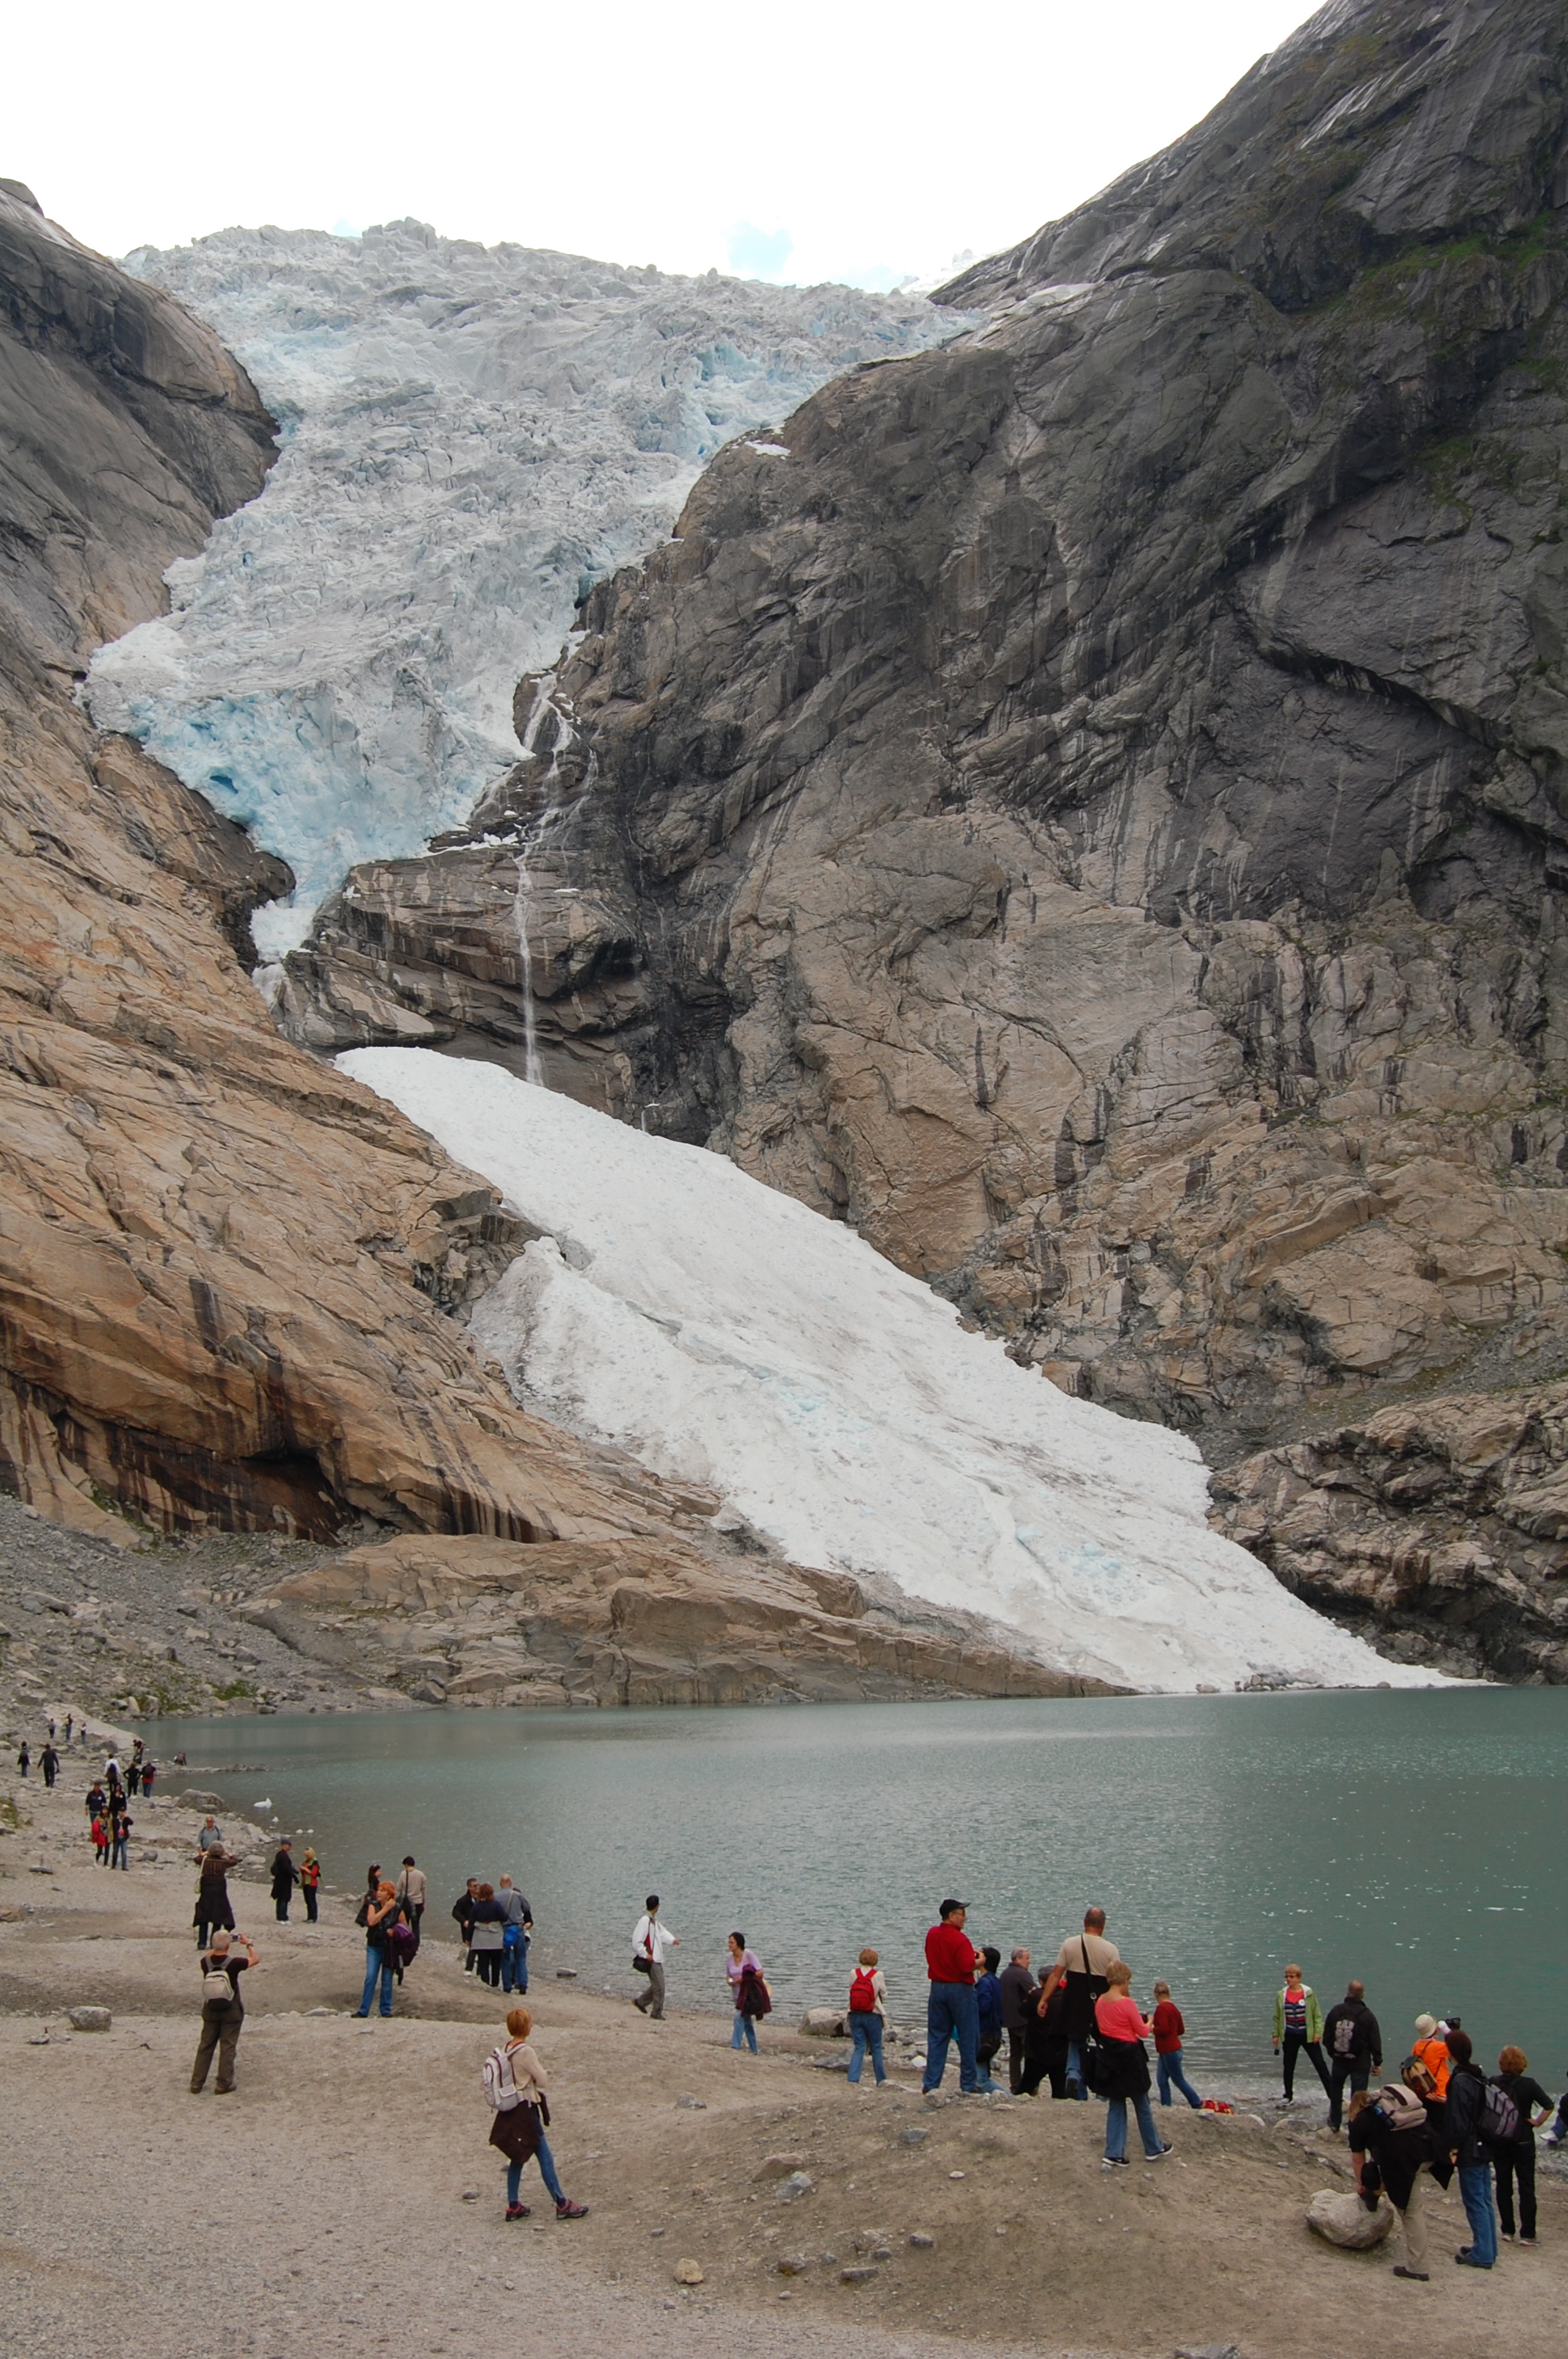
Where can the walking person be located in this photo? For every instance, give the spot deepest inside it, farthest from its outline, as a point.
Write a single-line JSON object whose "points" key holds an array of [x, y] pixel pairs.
{"points": [[1355, 2047], [1516, 2161], [97, 1800], [462, 1912], [310, 1884], [487, 1934], [284, 1876], [1170, 2030], [1395, 2144], [120, 1825], [25, 1758], [516, 1934], [952, 2012], [1469, 2151], [222, 2010], [69, 1724], [1019, 1991], [48, 1762], [413, 1891], [749, 1989], [378, 1952], [100, 1844], [1122, 2032], [868, 2015], [1086, 1959], [1298, 2027], [515, 2090], [651, 1942], [1045, 2045]]}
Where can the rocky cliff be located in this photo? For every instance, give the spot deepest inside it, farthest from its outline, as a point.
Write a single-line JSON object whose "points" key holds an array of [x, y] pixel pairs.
{"points": [[1089, 805]]}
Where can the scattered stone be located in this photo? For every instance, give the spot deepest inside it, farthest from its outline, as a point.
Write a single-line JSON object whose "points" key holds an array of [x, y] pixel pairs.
{"points": [[566, 1974], [882, 2252], [1344, 2220], [319, 2010], [690, 2105], [791, 2265], [922, 2243], [823, 2023], [829, 2260], [955, 2174], [861, 2273], [90, 2018], [1210, 2351], [913, 2136], [689, 2273], [655, 2232], [797, 2184], [779, 2166], [470, 2195]]}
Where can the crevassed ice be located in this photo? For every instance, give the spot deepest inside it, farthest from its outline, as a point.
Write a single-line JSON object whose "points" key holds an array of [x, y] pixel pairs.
{"points": [[727, 1334], [469, 436]]}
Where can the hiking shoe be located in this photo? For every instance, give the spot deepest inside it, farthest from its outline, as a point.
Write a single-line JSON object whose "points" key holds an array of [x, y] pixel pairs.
{"points": [[1468, 2260], [1109, 2163], [1421, 2276], [1158, 2157], [571, 2211], [517, 2211]]}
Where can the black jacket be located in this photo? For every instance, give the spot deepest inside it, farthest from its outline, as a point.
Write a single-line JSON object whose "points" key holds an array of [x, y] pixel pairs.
{"points": [[1399, 2154], [1018, 1989], [1360, 2042], [1466, 2092]]}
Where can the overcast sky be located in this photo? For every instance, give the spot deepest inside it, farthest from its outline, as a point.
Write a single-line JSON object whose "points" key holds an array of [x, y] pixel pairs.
{"points": [[827, 139]]}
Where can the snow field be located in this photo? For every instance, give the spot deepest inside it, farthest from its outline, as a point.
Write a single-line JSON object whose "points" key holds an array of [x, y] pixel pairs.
{"points": [[725, 1333]]}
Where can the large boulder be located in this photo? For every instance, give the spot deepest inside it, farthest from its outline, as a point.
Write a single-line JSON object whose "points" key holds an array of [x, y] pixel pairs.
{"points": [[1344, 2220]]}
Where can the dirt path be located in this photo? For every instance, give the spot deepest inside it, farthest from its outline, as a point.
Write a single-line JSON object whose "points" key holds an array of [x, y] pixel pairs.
{"points": [[324, 2206]]}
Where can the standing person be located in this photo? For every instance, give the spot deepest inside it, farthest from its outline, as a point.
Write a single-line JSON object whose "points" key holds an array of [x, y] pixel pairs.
{"points": [[310, 1884], [48, 1762], [952, 2013], [1431, 2050], [462, 1911], [223, 2011], [1019, 1991], [134, 1774], [1298, 2024], [1122, 2032], [100, 1844], [412, 1892], [488, 1935], [749, 1989], [867, 2013], [378, 1952], [149, 1771], [1045, 2039], [69, 1724], [514, 2086], [1086, 1959], [1517, 2160], [652, 1942], [1170, 2030], [515, 1936], [1395, 2146], [213, 1908], [988, 2011], [97, 1800], [208, 1834], [120, 1825], [284, 1876], [24, 1758], [1469, 2152], [1355, 2046]]}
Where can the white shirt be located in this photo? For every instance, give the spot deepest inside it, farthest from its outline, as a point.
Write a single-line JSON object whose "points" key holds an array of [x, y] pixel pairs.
{"points": [[662, 1939]]}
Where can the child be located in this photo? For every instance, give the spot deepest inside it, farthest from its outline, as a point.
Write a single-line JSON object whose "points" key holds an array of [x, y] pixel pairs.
{"points": [[867, 2008], [1169, 2033], [100, 1842]]}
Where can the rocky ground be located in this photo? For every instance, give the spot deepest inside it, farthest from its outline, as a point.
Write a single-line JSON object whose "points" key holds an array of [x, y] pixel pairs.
{"points": [[345, 2196]]}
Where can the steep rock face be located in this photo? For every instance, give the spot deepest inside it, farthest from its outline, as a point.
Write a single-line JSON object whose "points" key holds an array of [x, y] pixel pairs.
{"points": [[1086, 805], [221, 1264]]}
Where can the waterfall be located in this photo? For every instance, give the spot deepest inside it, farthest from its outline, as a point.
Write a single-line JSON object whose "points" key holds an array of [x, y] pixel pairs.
{"points": [[532, 838]]}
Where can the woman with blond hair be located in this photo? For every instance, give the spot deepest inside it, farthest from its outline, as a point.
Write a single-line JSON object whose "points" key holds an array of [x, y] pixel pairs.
{"points": [[514, 2089], [379, 1914], [1124, 2068]]}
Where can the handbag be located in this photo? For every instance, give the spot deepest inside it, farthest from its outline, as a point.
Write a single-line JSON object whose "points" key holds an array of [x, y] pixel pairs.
{"points": [[640, 1965]]}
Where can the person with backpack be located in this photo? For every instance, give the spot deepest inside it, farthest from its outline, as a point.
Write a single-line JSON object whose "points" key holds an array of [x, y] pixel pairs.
{"points": [[1298, 2027], [310, 1884], [1121, 2068], [284, 1876], [951, 2012], [651, 1942], [748, 1991], [222, 2010], [379, 1957], [48, 1762], [1170, 2030], [515, 2092], [1431, 2049], [1086, 1960], [1477, 2118], [867, 2013], [1355, 2048], [1019, 1991], [1516, 2160], [413, 1891], [1395, 2146]]}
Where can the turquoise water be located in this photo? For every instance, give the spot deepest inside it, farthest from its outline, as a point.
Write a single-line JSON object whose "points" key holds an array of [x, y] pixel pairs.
{"points": [[1417, 1840]]}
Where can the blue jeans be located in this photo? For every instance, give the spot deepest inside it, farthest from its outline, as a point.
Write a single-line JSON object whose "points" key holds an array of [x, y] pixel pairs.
{"points": [[1475, 2194], [377, 1962], [1169, 2073], [514, 1964], [866, 2031], [744, 2030], [1076, 2085], [1116, 2127], [952, 2012], [546, 2171]]}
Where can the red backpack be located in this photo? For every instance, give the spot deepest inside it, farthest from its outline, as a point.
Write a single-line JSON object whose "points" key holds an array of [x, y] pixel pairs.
{"points": [[862, 1992]]}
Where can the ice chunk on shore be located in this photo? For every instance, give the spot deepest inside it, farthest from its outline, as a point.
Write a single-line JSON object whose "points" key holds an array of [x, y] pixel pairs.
{"points": [[470, 436], [725, 1333]]}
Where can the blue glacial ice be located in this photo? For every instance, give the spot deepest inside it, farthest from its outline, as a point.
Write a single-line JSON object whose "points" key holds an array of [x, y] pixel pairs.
{"points": [[469, 436]]}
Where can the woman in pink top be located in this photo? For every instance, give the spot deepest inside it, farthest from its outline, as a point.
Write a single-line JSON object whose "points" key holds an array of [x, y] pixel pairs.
{"points": [[1122, 2032]]}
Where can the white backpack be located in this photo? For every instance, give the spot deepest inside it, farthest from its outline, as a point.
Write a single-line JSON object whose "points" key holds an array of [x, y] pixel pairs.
{"points": [[215, 1983], [501, 2091]]}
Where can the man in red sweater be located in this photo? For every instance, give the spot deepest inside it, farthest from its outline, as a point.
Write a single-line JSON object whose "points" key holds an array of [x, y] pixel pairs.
{"points": [[952, 2011]]}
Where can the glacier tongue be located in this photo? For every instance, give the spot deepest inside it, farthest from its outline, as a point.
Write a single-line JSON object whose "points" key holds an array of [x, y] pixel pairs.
{"points": [[468, 435], [726, 1334]]}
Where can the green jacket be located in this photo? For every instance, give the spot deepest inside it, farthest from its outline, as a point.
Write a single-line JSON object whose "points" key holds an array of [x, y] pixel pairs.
{"points": [[1314, 2015]]}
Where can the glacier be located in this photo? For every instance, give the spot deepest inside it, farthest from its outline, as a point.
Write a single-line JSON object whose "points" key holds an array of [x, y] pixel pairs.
{"points": [[469, 436], [726, 1334]]}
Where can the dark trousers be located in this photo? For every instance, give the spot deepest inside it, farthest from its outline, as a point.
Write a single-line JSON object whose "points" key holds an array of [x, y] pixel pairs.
{"points": [[1014, 2061], [310, 1904], [1511, 2162], [221, 2021], [280, 1907], [486, 1965], [1048, 2062], [1297, 2044], [1343, 2070]]}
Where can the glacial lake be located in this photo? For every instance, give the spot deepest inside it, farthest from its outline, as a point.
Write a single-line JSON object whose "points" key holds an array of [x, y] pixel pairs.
{"points": [[1417, 1840]]}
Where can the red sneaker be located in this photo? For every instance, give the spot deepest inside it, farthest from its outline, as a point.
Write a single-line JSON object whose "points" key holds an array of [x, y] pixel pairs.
{"points": [[571, 2211]]}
